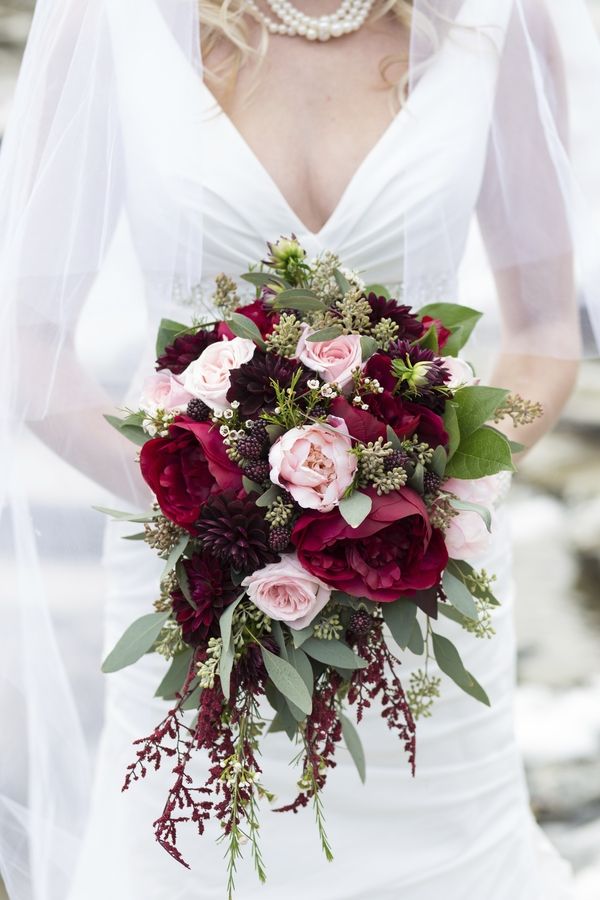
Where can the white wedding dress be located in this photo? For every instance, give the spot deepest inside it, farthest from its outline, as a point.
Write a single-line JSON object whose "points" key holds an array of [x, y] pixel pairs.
{"points": [[462, 828]]}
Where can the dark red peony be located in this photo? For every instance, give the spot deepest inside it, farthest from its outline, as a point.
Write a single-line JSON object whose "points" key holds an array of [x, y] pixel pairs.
{"points": [[263, 316], [185, 349], [405, 417], [211, 590], [184, 468], [393, 553]]}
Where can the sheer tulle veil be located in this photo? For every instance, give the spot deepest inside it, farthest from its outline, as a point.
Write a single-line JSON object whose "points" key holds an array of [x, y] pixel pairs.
{"points": [[104, 149]]}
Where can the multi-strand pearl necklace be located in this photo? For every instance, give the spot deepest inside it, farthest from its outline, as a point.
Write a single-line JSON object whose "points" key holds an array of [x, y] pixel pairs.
{"points": [[350, 16]]}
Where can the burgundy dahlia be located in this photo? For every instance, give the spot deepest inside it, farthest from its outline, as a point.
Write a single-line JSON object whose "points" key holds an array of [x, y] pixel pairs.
{"points": [[211, 590], [184, 350], [234, 531], [382, 308], [251, 384], [420, 372]]}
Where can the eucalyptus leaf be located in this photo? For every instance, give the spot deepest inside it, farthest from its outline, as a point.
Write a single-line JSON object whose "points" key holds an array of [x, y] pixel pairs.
{"points": [[167, 332], [287, 680], [138, 536], [226, 621], [284, 721], [484, 452], [184, 582], [134, 433], [450, 612], [268, 496], [176, 553], [417, 479], [452, 428], [251, 487], [333, 653], [137, 640], [301, 299], [354, 745], [126, 516], [439, 461], [449, 661], [379, 289], [416, 644], [482, 511], [277, 632], [325, 334], [459, 596], [176, 675], [258, 279], [355, 508], [400, 618], [192, 701], [299, 635], [300, 661], [225, 669], [244, 327], [368, 346], [475, 405], [341, 281], [393, 438], [275, 431]]}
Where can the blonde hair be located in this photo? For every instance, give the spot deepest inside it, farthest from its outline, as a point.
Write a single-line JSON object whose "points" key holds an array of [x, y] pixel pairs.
{"points": [[224, 23]]}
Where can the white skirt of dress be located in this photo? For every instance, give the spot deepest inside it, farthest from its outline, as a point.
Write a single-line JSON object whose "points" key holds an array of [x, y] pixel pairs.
{"points": [[461, 829]]}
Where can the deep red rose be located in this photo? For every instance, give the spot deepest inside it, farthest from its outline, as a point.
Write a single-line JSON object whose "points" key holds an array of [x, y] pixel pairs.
{"points": [[262, 315], [393, 553], [379, 366], [362, 425], [443, 333], [408, 418], [184, 468]]}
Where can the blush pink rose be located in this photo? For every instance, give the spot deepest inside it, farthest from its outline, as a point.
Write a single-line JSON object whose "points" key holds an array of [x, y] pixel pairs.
{"points": [[334, 360], [164, 391], [461, 372], [208, 377], [467, 536], [314, 463], [285, 591]]}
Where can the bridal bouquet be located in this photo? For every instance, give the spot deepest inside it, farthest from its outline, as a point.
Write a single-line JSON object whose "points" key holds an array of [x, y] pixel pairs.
{"points": [[323, 464]]}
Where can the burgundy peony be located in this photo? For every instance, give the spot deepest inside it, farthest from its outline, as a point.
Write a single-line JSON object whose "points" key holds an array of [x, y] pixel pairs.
{"points": [[211, 590], [404, 416], [259, 312], [185, 349], [184, 468], [393, 553]]}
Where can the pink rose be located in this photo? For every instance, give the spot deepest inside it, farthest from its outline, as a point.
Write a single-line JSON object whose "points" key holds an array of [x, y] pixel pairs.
{"points": [[467, 536], [314, 463], [334, 360], [163, 391], [285, 591], [461, 372], [208, 377]]}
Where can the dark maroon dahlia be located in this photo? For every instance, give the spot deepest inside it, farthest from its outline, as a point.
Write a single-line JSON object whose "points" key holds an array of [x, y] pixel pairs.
{"points": [[234, 531], [184, 350], [420, 373], [211, 590], [251, 384], [382, 308]]}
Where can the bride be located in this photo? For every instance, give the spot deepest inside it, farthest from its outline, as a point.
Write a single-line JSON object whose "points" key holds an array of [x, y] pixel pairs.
{"points": [[167, 140]]}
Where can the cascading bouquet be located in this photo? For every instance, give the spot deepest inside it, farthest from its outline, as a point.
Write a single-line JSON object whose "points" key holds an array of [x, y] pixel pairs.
{"points": [[321, 474]]}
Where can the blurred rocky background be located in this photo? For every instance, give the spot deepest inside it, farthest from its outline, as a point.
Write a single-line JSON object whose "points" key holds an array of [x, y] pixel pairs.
{"points": [[555, 506]]}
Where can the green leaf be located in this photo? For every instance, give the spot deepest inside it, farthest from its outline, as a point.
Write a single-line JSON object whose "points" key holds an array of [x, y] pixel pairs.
{"points": [[299, 298], [137, 640], [184, 582], [244, 327], [176, 675], [378, 289], [400, 618], [430, 340], [284, 721], [484, 452], [300, 661], [258, 279], [439, 461], [287, 680], [341, 281], [368, 346], [461, 320], [167, 332], [176, 554], [275, 431], [516, 447], [138, 536], [393, 438], [354, 745], [476, 405], [126, 516], [251, 487], [459, 596], [277, 632], [355, 508], [464, 571], [451, 426], [449, 661], [301, 634], [226, 620], [416, 644], [325, 334], [268, 496], [192, 701], [134, 433], [451, 613], [417, 479], [333, 653], [483, 511], [225, 669]]}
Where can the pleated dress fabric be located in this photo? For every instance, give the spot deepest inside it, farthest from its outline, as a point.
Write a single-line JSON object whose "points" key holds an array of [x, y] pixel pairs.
{"points": [[462, 828]]}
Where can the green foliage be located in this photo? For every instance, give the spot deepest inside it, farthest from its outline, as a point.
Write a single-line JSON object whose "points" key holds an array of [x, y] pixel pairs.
{"points": [[475, 405], [482, 511], [301, 299], [167, 332], [461, 320], [325, 334], [137, 640], [244, 327], [459, 595], [449, 661], [484, 452], [451, 425], [130, 427], [333, 653], [400, 617], [176, 675], [354, 745], [287, 680], [355, 508]]}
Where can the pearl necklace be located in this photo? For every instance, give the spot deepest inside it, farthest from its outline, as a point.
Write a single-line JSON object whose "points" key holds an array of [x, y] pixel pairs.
{"points": [[348, 17]]}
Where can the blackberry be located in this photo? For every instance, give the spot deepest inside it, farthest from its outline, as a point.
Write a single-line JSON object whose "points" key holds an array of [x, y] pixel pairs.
{"points": [[319, 411], [397, 459], [360, 623], [258, 471], [198, 410], [252, 447], [279, 539], [431, 482], [257, 427]]}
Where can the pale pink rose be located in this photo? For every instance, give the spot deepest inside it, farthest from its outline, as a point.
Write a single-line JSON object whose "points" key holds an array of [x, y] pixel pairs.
{"points": [[287, 592], [461, 372], [165, 391], [334, 360], [467, 536], [208, 377], [314, 463]]}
